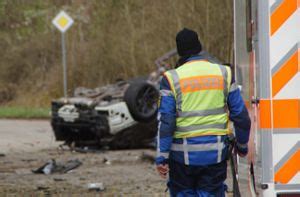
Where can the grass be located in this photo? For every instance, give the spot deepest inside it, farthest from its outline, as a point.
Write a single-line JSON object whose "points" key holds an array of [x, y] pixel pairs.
{"points": [[99, 52], [24, 112]]}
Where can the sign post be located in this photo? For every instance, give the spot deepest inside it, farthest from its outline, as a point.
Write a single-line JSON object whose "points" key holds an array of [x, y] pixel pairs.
{"points": [[63, 22]]}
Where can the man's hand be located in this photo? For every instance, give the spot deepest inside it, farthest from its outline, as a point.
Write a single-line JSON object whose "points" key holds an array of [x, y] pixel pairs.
{"points": [[163, 170]]}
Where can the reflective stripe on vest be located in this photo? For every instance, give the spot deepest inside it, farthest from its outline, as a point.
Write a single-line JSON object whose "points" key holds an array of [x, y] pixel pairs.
{"points": [[198, 127], [207, 112], [186, 84], [224, 74], [186, 148], [177, 88], [197, 147]]}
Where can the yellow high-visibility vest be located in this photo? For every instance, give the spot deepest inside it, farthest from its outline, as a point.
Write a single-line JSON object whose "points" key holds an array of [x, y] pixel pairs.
{"points": [[200, 89]]}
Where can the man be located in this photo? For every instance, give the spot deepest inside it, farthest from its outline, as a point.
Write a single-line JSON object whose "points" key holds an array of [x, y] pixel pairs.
{"points": [[196, 98]]}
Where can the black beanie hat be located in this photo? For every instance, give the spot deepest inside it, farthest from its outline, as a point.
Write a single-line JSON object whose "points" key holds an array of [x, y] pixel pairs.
{"points": [[187, 43]]}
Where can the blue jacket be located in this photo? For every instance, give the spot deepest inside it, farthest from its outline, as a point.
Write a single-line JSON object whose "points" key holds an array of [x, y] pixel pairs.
{"points": [[167, 124]]}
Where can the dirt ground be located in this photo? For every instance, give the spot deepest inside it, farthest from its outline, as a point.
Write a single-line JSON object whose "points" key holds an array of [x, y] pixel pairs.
{"points": [[26, 145]]}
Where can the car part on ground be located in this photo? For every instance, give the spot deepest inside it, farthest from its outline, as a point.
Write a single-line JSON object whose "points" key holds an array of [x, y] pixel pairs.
{"points": [[54, 167]]}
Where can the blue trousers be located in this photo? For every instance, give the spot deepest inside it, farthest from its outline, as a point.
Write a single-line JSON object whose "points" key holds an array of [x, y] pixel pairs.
{"points": [[202, 181]]}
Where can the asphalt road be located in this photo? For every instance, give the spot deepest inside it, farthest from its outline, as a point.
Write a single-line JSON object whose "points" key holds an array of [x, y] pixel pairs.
{"points": [[25, 135]]}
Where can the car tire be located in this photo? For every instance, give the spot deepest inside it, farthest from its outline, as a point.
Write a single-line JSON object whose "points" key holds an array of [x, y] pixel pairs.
{"points": [[141, 98]]}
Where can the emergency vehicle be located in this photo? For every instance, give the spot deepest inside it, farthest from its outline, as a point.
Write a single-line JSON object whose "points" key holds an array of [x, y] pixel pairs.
{"points": [[266, 45]]}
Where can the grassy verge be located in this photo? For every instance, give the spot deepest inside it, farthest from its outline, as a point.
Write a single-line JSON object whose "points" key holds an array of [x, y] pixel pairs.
{"points": [[24, 112]]}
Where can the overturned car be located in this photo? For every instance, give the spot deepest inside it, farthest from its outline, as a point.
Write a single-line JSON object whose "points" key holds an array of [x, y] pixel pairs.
{"points": [[119, 115]]}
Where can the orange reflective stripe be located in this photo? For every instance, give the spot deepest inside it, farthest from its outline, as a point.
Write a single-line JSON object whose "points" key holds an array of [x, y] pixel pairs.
{"points": [[286, 73], [193, 84], [265, 114], [282, 13], [289, 169], [286, 113], [280, 109]]}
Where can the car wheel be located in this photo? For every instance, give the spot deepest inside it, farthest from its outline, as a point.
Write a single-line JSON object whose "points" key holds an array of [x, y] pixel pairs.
{"points": [[141, 98]]}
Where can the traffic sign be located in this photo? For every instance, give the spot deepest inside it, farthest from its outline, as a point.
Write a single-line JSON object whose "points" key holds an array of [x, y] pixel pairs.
{"points": [[62, 21]]}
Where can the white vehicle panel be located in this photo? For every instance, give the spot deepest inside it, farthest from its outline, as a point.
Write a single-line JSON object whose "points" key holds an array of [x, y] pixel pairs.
{"points": [[119, 117]]}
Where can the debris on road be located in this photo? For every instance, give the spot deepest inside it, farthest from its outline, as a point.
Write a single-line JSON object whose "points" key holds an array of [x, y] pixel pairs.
{"points": [[53, 167], [2, 155], [106, 161], [41, 187], [96, 187], [59, 179], [49, 167], [28, 160], [72, 164], [88, 149]]}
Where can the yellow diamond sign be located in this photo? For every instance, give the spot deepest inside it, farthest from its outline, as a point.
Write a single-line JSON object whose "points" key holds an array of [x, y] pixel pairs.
{"points": [[62, 21]]}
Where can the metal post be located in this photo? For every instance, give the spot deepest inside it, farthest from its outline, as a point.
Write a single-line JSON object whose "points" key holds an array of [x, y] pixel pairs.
{"points": [[64, 62]]}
